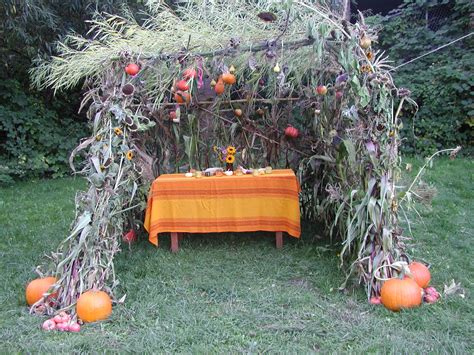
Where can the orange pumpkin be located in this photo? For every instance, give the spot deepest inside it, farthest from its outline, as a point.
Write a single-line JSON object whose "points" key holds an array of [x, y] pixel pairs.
{"points": [[94, 305], [220, 87], [421, 274], [36, 288], [182, 96], [397, 294], [228, 78]]}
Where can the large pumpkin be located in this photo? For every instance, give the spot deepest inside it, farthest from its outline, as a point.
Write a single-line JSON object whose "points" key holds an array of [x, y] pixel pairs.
{"points": [[421, 274], [37, 287], [397, 294], [93, 306]]}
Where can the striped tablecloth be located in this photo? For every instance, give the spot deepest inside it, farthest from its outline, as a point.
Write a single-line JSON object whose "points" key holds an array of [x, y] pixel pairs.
{"points": [[223, 204]]}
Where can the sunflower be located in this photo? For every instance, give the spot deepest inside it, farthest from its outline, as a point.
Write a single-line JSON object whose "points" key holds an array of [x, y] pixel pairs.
{"points": [[118, 131], [370, 56], [129, 155], [231, 150], [230, 159]]}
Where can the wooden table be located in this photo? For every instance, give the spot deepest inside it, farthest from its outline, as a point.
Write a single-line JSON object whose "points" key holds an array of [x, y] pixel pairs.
{"points": [[246, 203]]}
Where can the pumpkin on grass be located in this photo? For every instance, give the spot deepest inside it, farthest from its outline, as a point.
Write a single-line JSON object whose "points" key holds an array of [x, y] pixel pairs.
{"points": [[37, 287], [420, 273], [94, 305], [397, 294]]}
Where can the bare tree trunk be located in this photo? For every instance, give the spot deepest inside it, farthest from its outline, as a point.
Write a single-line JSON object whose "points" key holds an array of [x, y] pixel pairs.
{"points": [[342, 7]]}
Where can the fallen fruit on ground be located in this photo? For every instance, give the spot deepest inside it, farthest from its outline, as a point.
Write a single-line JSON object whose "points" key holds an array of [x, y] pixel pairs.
{"points": [[48, 325]]}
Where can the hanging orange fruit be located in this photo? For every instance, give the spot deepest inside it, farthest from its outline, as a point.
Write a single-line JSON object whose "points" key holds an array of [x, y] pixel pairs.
{"points": [[36, 288], [189, 73], [219, 88], [182, 97], [182, 85], [94, 305], [132, 69], [229, 78]]}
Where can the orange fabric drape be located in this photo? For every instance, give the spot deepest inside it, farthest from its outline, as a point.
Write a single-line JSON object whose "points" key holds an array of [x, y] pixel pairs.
{"points": [[223, 204]]}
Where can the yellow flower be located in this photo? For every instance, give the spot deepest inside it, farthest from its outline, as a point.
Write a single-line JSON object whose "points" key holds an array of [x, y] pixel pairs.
{"points": [[231, 150], [118, 131], [370, 55], [230, 159], [129, 155]]}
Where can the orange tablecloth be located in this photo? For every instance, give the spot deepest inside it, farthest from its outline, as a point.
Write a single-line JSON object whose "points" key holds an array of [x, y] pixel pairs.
{"points": [[223, 204]]}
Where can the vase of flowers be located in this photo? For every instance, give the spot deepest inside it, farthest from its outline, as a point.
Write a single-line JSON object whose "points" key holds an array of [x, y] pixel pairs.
{"points": [[227, 156]]}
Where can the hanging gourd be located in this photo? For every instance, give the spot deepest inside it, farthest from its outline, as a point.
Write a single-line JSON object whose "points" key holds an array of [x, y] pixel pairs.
{"points": [[229, 78], [219, 88], [182, 85], [93, 306], [182, 97]]}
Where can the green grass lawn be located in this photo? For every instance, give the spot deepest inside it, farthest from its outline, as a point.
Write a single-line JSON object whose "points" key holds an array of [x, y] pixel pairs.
{"points": [[237, 293]]}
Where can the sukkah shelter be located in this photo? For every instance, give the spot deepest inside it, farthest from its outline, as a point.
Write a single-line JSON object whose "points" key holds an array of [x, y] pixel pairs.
{"points": [[295, 64]]}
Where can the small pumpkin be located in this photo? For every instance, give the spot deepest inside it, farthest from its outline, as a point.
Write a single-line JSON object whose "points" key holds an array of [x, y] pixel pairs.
{"points": [[291, 132], [398, 294], [36, 288], [94, 305], [219, 88], [229, 78], [421, 274], [182, 97]]}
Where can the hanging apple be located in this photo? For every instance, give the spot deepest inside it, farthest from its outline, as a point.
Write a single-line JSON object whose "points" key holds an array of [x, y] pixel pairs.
{"points": [[322, 90], [291, 132], [182, 85], [132, 69]]}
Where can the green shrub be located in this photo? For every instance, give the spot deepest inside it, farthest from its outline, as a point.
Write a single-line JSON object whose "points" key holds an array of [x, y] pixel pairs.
{"points": [[34, 140], [440, 82]]}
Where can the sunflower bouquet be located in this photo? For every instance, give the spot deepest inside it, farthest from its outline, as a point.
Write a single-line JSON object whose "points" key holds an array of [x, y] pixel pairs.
{"points": [[226, 155]]}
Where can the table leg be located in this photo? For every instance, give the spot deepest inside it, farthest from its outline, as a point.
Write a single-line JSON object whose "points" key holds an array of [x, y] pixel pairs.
{"points": [[279, 240], [174, 242], [180, 237]]}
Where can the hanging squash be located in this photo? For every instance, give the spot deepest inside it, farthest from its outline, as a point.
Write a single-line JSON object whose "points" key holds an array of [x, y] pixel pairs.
{"points": [[291, 132], [182, 97], [37, 287], [94, 305], [229, 78], [219, 88], [421, 274], [398, 294]]}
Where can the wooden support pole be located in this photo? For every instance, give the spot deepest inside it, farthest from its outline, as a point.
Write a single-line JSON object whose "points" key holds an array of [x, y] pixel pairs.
{"points": [[174, 242], [279, 239]]}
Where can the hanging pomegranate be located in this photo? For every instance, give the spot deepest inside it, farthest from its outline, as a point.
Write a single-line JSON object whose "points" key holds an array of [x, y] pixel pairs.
{"points": [[291, 132], [182, 85], [132, 69]]}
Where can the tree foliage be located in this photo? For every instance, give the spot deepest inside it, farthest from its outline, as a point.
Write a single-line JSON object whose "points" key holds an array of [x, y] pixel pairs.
{"points": [[441, 82]]}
